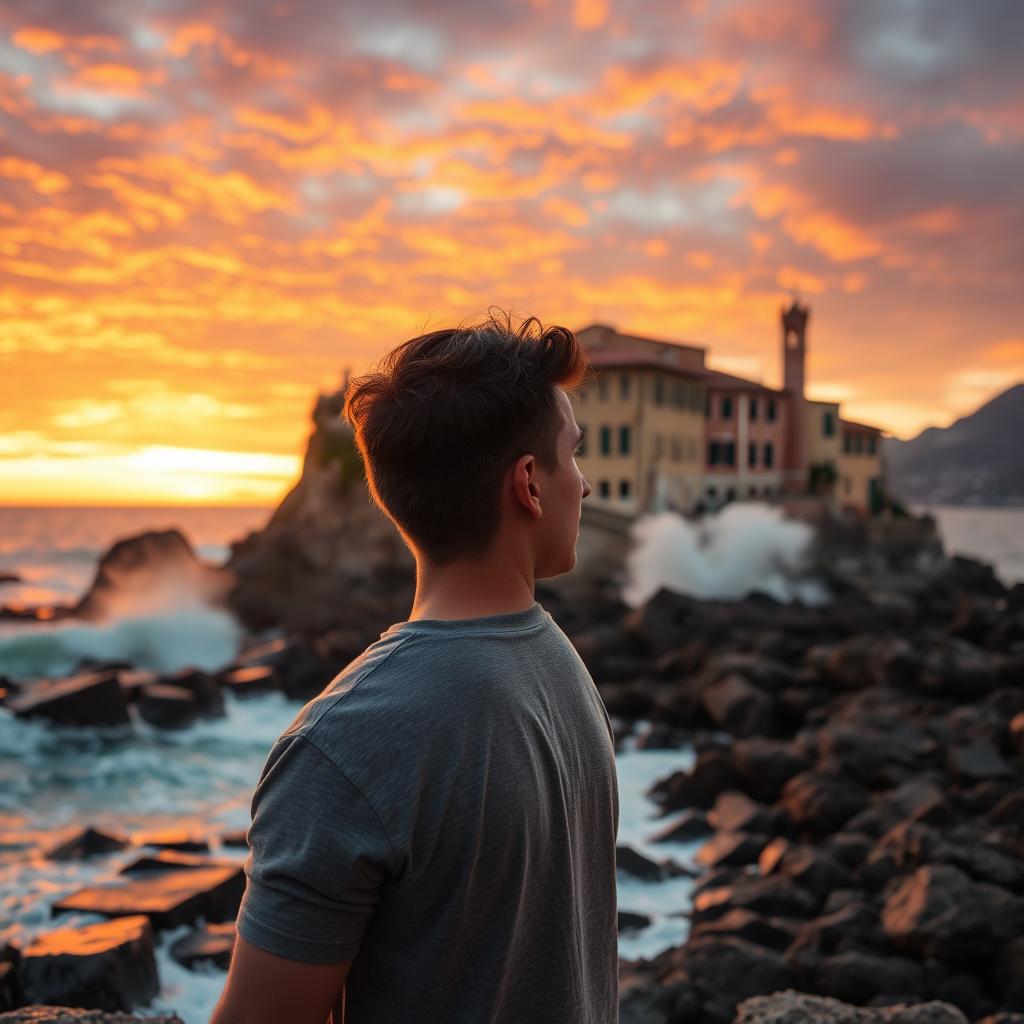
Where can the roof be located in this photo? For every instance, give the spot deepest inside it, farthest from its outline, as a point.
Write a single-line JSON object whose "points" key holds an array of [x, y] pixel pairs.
{"points": [[623, 358], [860, 426], [722, 381], [607, 331]]}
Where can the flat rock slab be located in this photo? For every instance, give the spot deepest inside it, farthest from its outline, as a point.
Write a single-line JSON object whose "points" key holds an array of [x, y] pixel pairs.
{"points": [[172, 839], [88, 843], [171, 860], [250, 681], [210, 944], [106, 966], [87, 699], [167, 898], [68, 1015]]}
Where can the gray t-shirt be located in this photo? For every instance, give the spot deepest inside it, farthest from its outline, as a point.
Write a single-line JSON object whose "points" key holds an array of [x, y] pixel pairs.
{"points": [[444, 815]]}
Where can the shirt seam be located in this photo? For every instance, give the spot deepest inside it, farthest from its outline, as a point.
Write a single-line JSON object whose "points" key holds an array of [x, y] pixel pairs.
{"points": [[380, 824], [495, 634]]}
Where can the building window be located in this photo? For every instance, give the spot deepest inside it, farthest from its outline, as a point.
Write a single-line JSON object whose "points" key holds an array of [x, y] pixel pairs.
{"points": [[730, 495], [771, 410], [828, 424], [752, 454], [712, 492], [847, 443], [624, 385], [677, 394], [657, 447], [602, 387], [753, 408], [624, 440], [676, 450], [729, 453], [604, 489], [871, 446], [753, 492], [769, 455], [727, 407], [623, 488], [606, 440], [712, 453], [659, 391], [858, 443]]}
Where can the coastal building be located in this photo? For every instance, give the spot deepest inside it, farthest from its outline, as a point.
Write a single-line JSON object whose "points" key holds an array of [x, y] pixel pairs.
{"points": [[665, 431]]}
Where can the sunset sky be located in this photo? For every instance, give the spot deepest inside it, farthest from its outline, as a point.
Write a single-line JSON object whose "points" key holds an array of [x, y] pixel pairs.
{"points": [[208, 210]]}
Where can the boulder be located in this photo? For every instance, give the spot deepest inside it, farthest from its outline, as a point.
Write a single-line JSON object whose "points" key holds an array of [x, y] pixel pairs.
{"points": [[106, 966], [659, 624], [636, 864], [769, 897], [766, 765], [213, 943], [823, 803], [86, 699], [712, 773], [686, 828], [734, 811], [738, 707], [631, 922], [731, 849], [179, 839], [167, 707], [858, 977], [251, 681], [811, 869], [90, 842], [204, 687], [167, 898], [771, 932], [735, 968], [976, 762], [1008, 974], [939, 912], [853, 926]]}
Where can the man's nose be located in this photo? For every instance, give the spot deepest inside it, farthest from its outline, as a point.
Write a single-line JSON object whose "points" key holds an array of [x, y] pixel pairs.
{"points": [[586, 487]]}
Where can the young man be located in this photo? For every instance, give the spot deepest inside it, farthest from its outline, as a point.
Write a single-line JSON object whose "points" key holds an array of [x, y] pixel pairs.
{"points": [[433, 838]]}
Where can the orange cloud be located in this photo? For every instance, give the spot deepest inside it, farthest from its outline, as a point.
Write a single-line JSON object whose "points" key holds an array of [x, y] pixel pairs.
{"points": [[589, 14]]}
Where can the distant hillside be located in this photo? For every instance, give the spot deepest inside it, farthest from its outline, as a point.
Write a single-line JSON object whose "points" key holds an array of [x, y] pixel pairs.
{"points": [[979, 460]]}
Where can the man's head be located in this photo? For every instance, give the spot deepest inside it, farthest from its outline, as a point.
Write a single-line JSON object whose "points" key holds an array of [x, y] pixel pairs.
{"points": [[469, 431]]}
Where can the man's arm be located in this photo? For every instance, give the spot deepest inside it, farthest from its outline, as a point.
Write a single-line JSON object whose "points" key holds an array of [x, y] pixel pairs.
{"points": [[266, 989]]}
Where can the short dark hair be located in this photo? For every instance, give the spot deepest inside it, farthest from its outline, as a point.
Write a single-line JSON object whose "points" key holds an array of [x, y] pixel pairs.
{"points": [[443, 416]]}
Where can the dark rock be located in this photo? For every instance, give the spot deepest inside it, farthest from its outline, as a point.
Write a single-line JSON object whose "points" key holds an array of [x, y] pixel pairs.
{"points": [[734, 811], [167, 860], [977, 762], [823, 803], [106, 966], [631, 922], [1008, 974], [168, 898], [86, 699], [875, 757], [712, 773], [735, 968], [730, 849], [132, 680], [90, 842], [771, 932], [811, 869], [938, 911], [10, 994], [738, 707], [213, 943], [636, 864], [658, 624], [769, 897], [765, 765], [1009, 811], [251, 681], [153, 563], [172, 839], [204, 687], [660, 736], [857, 977], [237, 839], [167, 707], [688, 826], [850, 848], [852, 926], [1016, 731]]}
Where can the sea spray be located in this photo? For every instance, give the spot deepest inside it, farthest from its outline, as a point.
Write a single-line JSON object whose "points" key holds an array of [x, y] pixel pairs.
{"points": [[206, 638], [746, 547]]}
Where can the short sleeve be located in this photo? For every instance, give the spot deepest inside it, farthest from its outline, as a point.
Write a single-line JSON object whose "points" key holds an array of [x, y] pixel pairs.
{"points": [[318, 855]]}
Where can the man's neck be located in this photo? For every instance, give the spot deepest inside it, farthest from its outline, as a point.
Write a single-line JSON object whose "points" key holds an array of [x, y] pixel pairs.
{"points": [[470, 590]]}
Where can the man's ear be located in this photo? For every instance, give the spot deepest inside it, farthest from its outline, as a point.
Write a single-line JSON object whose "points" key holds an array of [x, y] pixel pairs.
{"points": [[525, 486]]}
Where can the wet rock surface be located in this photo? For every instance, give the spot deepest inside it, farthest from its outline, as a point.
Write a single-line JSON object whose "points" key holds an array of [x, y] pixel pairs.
{"points": [[70, 1015]]}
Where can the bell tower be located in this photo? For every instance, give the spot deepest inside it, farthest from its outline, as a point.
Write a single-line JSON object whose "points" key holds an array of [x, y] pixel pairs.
{"points": [[794, 348]]}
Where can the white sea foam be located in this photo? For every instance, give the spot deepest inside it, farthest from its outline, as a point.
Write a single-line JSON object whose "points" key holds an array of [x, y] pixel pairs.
{"points": [[746, 547], [206, 638]]}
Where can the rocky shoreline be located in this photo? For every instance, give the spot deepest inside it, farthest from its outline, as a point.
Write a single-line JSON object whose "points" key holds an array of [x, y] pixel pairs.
{"points": [[858, 785]]}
